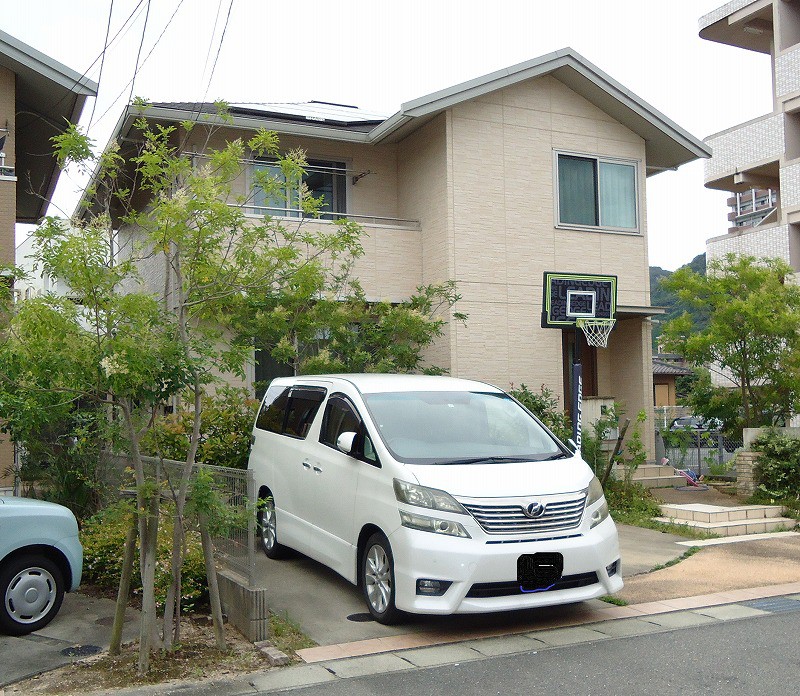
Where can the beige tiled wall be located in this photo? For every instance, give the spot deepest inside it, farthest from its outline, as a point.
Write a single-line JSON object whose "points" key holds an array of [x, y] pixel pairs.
{"points": [[8, 216], [504, 237]]}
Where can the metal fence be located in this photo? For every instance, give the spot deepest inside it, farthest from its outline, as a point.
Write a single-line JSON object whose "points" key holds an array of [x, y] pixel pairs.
{"points": [[235, 541], [706, 452]]}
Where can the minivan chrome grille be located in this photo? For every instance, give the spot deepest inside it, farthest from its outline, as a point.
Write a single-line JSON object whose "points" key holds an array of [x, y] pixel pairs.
{"points": [[503, 518]]}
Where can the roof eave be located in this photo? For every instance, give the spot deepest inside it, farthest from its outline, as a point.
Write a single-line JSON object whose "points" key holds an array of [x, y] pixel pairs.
{"points": [[668, 145]]}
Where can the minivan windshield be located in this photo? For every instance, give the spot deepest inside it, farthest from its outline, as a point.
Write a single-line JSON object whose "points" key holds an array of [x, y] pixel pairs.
{"points": [[441, 427]]}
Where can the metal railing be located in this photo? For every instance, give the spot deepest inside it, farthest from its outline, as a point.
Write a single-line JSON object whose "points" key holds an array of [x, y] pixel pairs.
{"points": [[296, 214], [235, 540], [706, 452]]}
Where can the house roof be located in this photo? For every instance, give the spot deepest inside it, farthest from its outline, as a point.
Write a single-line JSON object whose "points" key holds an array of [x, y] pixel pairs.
{"points": [[664, 368], [47, 95], [667, 145]]}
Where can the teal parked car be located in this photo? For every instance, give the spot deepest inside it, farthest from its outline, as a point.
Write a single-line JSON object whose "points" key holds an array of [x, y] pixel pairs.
{"points": [[41, 557]]}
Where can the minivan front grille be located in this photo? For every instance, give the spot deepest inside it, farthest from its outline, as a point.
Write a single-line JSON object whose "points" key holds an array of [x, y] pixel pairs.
{"points": [[503, 518]]}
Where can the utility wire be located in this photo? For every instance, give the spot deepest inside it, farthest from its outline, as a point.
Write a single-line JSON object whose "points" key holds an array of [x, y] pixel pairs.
{"points": [[219, 49], [141, 65], [211, 40], [102, 62], [139, 52]]}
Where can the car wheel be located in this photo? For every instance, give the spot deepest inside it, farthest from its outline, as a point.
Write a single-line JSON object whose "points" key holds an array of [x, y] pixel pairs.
{"points": [[268, 529], [31, 590], [377, 579]]}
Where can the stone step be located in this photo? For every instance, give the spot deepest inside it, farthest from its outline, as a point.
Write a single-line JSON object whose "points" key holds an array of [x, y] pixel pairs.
{"points": [[659, 481], [712, 514], [645, 471], [736, 528]]}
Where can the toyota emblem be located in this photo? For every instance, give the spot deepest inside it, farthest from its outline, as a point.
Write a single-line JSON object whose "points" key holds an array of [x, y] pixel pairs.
{"points": [[534, 510]]}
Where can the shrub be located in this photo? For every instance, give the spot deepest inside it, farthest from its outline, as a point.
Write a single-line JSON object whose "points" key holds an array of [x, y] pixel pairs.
{"points": [[544, 406], [225, 428], [778, 469], [103, 538]]}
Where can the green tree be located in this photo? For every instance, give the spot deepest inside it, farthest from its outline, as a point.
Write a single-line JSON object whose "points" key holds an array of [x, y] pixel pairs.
{"points": [[752, 337]]}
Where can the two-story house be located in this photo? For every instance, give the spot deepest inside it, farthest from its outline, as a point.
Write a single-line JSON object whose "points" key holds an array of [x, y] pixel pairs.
{"points": [[38, 96], [538, 167]]}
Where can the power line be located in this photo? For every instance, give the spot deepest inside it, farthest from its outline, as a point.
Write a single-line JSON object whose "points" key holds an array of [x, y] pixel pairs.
{"points": [[102, 61], [141, 65], [211, 40], [139, 52], [219, 49]]}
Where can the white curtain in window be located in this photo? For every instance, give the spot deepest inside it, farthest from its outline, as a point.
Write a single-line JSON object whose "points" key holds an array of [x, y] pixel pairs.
{"points": [[617, 195]]}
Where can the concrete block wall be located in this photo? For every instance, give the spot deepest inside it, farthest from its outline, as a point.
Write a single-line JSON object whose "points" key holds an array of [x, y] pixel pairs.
{"points": [[769, 242], [745, 465], [787, 72], [790, 186], [759, 140], [246, 607]]}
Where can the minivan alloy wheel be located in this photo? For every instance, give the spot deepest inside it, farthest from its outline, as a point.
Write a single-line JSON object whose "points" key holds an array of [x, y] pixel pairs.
{"points": [[378, 579], [268, 529]]}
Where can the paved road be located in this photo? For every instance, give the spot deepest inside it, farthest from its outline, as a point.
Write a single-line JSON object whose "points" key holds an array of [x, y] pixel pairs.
{"points": [[757, 655]]}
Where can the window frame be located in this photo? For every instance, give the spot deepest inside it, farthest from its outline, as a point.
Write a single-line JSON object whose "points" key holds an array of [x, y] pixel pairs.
{"points": [[340, 193], [598, 159], [361, 433], [292, 391]]}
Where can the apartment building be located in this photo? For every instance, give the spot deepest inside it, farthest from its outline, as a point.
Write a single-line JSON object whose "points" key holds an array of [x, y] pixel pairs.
{"points": [[37, 96], [759, 161], [538, 167]]}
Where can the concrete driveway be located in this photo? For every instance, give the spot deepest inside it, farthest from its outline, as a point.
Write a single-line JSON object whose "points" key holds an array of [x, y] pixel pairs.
{"points": [[82, 628], [330, 610]]}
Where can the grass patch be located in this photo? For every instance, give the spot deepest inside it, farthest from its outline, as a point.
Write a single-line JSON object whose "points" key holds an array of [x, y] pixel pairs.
{"points": [[614, 600], [634, 505], [286, 635], [690, 552]]}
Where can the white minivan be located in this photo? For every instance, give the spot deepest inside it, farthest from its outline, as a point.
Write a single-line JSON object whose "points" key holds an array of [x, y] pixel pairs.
{"points": [[435, 495]]}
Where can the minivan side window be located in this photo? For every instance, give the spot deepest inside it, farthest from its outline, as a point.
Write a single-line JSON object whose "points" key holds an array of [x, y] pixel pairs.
{"points": [[303, 406], [273, 409], [342, 417]]}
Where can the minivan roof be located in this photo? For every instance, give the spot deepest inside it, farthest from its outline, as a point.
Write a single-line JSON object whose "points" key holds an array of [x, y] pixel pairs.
{"points": [[373, 383]]}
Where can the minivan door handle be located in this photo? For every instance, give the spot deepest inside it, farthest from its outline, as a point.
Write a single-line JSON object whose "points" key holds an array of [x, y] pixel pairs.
{"points": [[317, 470], [306, 465]]}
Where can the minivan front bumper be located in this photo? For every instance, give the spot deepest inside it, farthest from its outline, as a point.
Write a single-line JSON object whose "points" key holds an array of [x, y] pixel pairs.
{"points": [[492, 569]]}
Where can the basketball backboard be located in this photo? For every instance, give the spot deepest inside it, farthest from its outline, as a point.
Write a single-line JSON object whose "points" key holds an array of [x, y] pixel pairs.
{"points": [[572, 296]]}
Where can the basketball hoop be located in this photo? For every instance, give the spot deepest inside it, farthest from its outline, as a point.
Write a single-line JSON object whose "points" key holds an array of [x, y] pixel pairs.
{"points": [[596, 330]]}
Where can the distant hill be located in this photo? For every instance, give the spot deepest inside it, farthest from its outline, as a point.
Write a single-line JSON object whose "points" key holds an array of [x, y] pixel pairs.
{"points": [[661, 297]]}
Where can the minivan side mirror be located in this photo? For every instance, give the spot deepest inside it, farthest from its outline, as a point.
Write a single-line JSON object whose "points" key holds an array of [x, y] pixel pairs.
{"points": [[345, 442]]}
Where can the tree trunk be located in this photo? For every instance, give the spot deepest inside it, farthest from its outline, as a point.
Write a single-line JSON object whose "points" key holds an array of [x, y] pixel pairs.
{"points": [[124, 587], [213, 586]]}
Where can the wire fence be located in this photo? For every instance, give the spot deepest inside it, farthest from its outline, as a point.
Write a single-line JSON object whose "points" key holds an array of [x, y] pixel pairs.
{"points": [[706, 452], [234, 542]]}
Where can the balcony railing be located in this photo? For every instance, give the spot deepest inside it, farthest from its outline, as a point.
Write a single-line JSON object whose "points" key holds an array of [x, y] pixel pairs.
{"points": [[745, 147], [296, 214]]}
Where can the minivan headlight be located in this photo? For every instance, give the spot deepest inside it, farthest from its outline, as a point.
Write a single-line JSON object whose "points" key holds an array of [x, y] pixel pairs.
{"points": [[595, 493], [430, 498], [423, 523]]}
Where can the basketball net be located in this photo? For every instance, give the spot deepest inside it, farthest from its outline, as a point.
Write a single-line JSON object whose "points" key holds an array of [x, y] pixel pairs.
{"points": [[596, 330]]}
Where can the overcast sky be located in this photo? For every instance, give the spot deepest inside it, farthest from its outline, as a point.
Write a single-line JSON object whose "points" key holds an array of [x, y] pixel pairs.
{"points": [[378, 54]]}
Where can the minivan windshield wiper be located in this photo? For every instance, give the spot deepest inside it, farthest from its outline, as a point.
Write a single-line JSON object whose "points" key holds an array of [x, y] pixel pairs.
{"points": [[557, 455], [485, 460]]}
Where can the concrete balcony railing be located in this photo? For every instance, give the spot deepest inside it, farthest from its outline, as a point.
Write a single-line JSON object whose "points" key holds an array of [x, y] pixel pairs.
{"points": [[787, 72], [762, 242], [751, 148], [391, 267]]}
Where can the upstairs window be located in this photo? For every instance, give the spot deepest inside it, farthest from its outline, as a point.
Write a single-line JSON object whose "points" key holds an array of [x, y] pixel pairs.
{"points": [[323, 179], [597, 192]]}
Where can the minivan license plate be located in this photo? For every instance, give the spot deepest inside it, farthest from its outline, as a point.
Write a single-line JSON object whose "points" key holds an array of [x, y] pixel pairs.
{"points": [[538, 571]]}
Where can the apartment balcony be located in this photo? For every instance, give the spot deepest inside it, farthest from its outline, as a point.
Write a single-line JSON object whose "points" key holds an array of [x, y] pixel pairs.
{"points": [[746, 156], [768, 240], [745, 24], [391, 267]]}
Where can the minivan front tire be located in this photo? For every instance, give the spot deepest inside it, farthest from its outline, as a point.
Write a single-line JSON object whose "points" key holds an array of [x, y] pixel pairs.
{"points": [[377, 579], [268, 529]]}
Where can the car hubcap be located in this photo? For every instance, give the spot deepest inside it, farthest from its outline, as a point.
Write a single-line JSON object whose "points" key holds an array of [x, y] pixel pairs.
{"points": [[30, 595], [268, 527], [378, 579]]}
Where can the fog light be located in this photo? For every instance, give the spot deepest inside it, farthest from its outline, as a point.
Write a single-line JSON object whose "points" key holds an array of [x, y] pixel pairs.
{"points": [[613, 568], [432, 588]]}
